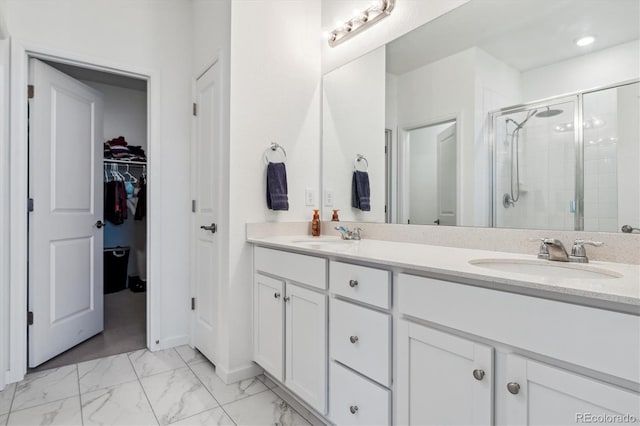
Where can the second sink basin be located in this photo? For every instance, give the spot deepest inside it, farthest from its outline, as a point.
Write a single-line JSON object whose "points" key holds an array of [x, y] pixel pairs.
{"points": [[546, 269]]}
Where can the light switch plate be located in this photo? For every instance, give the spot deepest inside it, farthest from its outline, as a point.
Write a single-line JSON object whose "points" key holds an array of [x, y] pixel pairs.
{"points": [[328, 197], [309, 197]]}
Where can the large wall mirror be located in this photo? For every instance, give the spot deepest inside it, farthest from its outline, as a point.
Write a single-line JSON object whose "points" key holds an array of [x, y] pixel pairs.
{"points": [[517, 114]]}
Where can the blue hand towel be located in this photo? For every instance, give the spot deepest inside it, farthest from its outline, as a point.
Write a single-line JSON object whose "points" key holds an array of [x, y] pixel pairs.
{"points": [[360, 191], [277, 198]]}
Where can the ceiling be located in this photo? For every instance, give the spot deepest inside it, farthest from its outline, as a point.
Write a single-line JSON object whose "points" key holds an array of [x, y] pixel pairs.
{"points": [[525, 34], [85, 74]]}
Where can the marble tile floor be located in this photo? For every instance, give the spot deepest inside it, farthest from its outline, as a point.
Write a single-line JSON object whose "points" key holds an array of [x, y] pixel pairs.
{"points": [[175, 386]]}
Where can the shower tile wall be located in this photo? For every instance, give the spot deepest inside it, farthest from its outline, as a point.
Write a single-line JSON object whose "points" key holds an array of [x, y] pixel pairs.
{"points": [[600, 161]]}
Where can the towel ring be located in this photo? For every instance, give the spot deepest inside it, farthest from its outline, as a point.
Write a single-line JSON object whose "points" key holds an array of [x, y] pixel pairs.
{"points": [[358, 159], [274, 147]]}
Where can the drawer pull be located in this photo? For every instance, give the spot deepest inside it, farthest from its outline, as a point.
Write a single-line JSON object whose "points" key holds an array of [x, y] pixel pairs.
{"points": [[353, 409], [513, 387], [353, 283], [276, 295], [353, 339], [478, 374]]}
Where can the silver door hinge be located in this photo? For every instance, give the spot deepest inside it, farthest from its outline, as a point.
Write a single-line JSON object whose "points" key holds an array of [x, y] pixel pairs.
{"points": [[30, 204], [30, 91], [195, 109], [29, 318], [193, 303], [193, 206]]}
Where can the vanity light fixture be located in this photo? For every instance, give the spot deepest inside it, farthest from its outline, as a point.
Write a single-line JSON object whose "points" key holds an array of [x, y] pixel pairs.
{"points": [[585, 41], [378, 10]]}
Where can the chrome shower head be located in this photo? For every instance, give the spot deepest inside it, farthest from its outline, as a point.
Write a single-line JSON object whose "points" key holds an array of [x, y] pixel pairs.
{"points": [[549, 113]]}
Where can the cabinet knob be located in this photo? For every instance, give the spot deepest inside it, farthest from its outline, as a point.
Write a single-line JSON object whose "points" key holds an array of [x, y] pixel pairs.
{"points": [[353, 409], [513, 387], [276, 295], [478, 374], [286, 299], [353, 339], [353, 283]]}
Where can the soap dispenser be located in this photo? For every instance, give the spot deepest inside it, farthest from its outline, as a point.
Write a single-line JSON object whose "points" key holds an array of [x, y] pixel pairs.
{"points": [[315, 223]]}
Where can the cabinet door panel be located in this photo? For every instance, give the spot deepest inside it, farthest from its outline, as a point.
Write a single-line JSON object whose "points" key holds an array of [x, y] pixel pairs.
{"points": [[306, 345], [436, 383], [553, 396], [268, 325]]}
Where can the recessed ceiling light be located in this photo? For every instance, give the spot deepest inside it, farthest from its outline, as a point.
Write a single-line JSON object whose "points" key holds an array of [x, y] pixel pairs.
{"points": [[585, 41]]}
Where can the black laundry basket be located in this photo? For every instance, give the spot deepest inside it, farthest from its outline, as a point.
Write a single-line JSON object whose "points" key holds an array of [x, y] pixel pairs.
{"points": [[116, 263]]}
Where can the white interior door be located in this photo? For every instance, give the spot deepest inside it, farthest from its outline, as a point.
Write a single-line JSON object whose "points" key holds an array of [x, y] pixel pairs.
{"points": [[65, 237], [206, 207], [447, 177]]}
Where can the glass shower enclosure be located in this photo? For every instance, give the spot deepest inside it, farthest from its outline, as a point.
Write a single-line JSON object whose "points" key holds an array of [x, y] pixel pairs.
{"points": [[556, 163]]}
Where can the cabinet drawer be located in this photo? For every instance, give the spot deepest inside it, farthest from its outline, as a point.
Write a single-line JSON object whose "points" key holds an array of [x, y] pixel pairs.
{"points": [[360, 338], [367, 285], [354, 400], [292, 266], [601, 340]]}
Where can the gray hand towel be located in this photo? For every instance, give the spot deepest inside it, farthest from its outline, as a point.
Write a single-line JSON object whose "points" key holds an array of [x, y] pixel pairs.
{"points": [[277, 198], [360, 191]]}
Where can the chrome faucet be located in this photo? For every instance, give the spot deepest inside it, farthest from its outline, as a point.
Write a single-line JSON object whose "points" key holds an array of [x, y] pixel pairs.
{"points": [[553, 249], [346, 234]]}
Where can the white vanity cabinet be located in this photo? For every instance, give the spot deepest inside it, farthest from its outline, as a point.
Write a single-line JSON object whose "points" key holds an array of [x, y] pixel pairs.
{"points": [[290, 322], [442, 379], [438, 378], [539, 394]]}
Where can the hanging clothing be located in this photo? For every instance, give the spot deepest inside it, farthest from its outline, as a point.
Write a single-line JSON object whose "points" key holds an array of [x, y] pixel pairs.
{"points": [[141, 207], [115, 202]]}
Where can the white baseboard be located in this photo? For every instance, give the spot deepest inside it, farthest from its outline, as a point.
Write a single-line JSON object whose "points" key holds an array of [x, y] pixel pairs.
{"points": [[170, 342], [232, 376]]}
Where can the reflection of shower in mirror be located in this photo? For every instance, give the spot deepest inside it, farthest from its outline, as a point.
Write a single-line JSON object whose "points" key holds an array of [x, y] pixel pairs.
{"points": [[510, 199]]}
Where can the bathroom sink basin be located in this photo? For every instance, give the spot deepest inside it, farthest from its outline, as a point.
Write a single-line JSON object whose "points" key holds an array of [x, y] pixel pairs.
{"points": [[324, 243], [546, 269]]}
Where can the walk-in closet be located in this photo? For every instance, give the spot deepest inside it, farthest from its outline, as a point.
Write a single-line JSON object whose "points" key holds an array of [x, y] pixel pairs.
{"points": [[120, 190]]}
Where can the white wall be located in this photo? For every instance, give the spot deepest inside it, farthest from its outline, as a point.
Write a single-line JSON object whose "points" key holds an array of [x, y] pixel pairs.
{"points": [[407, 15], [142, 35], [4, 206], [275, 96], [353, 116], [608, 66]]}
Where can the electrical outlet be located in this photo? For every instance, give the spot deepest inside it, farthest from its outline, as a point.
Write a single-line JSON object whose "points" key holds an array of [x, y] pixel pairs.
{"points": [[309, 197], [328, 197]]}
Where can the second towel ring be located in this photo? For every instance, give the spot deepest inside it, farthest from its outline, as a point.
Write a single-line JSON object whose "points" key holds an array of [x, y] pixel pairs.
{"points": [[274, 147], [359, 158]]}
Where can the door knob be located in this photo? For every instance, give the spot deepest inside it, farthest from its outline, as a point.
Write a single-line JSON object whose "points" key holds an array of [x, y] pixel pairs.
{"points": [[353, 409], [276, 295], [353, 339], [213, 228], [353, 283], [513, 387], [100, 224], [478, 374], [286, 299], [437, 221]]}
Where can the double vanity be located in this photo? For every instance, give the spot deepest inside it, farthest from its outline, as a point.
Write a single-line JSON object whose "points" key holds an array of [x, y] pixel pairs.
{"points": [[380, 332]]}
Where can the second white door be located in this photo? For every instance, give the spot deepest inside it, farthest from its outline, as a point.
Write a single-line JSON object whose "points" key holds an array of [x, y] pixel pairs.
{"points": [[205, 247]]}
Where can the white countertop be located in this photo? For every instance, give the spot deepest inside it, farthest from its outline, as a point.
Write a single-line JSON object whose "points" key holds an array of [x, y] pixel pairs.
{"points": [[619, 293]]}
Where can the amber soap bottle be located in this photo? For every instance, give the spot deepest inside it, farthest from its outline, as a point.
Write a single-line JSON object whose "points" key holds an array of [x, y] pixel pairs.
{"points": [[315, 224]]}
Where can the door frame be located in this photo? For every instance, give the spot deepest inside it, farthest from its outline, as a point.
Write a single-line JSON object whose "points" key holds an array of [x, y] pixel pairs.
{"points": [[20, 54], [403, 160]]}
